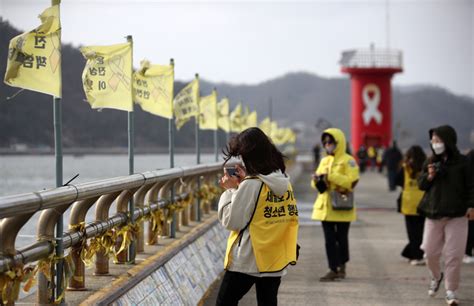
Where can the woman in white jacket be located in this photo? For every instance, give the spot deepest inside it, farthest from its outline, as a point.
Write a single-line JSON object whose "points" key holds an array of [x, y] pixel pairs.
{"points": [[259, 209]]}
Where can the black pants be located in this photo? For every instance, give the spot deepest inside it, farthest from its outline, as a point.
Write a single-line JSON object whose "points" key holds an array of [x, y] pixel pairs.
{"points": [[336, 235], [392, 175], [414, 226], [235, 285], [470, 238]]}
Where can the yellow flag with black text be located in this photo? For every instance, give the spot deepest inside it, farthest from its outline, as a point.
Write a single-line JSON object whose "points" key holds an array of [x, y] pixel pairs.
{"points": [[153, 89], [265, 126], [252, 119], [107, 77], [208, 112], [185, 104], [223, 119], [236, 119], [34, 58]]}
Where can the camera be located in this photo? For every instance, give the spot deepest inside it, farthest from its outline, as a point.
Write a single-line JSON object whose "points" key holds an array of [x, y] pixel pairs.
{"points": [[231, 171], [439, 168]]}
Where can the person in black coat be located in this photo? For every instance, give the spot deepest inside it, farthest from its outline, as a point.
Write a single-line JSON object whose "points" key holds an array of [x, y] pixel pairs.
{"points": [[392, 160], [448, 183], [468, 258]]}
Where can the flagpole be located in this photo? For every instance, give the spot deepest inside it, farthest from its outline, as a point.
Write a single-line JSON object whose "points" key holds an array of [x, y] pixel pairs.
{"points": [[58, 153], [230, 123], [216, 153], [171, 152], [171, 127], [131, 142], [198, 155]]}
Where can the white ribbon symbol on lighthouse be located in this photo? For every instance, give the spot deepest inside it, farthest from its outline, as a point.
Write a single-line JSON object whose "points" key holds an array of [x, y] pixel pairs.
{"points": [[371, 99]]}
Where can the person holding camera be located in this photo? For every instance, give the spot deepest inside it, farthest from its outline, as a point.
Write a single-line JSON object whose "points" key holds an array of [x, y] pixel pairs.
{"points": [[335, 179], [259, 208], [449, 199]]}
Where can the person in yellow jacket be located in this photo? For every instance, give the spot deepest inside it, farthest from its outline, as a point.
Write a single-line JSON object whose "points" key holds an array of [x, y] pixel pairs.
{"points": [[259, 209], [408, 201], [337, 172]]}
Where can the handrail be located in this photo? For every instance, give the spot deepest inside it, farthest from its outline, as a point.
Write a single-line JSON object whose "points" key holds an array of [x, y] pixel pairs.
{"points": [[35, 201], [149, 187]]}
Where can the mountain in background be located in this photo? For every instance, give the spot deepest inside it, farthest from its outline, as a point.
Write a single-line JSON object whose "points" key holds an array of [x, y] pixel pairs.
{"points": [[298, 100]]}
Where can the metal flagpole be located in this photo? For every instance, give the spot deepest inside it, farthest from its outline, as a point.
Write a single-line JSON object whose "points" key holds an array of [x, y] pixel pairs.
{"points": [[198, 156], [216, 145], [131, 142], [171, 152], [230, 124], [58, 153]]}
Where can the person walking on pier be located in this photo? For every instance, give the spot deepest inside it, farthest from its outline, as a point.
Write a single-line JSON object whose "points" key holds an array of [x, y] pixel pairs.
{"points": [[392, 159], [409, 200], [468, 258], [335, 179], [448, 199], [259, 209]]}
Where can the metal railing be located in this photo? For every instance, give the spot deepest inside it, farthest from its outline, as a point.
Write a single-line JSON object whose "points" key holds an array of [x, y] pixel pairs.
{"points": [[107, 235], [372, 58]]}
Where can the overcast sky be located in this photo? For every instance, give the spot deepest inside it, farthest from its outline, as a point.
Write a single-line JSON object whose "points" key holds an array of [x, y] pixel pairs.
{"points": [[253, 41]]}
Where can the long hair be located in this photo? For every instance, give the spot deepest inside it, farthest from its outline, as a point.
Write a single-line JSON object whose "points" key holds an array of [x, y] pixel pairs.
{"points": [[258, 153], [417, 157]]}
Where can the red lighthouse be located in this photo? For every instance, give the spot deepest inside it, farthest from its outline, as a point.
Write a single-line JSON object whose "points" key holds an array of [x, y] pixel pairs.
{"points": [[371, 71]]}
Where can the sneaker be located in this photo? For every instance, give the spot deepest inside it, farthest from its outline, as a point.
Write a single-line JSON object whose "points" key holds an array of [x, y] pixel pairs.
{"points": [[434, 285], [329, 277], [341, 271], [468, 259], [451, 298], [417, 262]]}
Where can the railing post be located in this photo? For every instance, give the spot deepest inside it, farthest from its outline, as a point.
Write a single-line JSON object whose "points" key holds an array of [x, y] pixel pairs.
{"points": [[102, 214], [78, 215]]}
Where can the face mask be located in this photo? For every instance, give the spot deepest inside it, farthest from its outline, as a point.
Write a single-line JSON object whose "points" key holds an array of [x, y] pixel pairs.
{"points": [[330, 149], [438, 148]]}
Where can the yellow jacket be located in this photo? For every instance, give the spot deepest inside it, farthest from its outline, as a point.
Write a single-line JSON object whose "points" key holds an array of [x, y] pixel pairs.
{"points": [[342, 173], [411, 194]]}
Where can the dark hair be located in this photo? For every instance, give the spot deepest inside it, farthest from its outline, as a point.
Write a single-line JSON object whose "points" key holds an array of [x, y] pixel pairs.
{"points": [[418, 156], [258, 153]]}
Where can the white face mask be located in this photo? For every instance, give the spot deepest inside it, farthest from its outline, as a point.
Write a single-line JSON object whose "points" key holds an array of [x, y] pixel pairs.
{"points": [[330, 149], [438, 148]]}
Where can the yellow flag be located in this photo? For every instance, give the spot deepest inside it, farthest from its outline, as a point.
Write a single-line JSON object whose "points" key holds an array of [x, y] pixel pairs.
{"points": [[185, 103], [208, 112], [252, 119], [107, 77], [236, 119], [265, 126], [34, 58], [153, 89], [223, 120]]}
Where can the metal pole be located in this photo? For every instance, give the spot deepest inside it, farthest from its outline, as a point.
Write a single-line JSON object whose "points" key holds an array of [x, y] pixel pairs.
{"points": [[198, 157], [131, 143], [216, 144], [58, 153], [171, 152]]}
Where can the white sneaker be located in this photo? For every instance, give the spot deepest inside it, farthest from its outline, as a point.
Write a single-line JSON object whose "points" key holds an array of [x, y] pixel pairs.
{"points": [[451, 298], [417, 262], [434, 285], [468, 259]]}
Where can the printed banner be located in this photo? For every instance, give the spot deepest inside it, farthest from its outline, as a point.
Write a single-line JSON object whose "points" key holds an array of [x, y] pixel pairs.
{"points": [[208, 112], [107, 77], [186, 103], [34, 58], [153, 89], [223, 119], [236, 119]]}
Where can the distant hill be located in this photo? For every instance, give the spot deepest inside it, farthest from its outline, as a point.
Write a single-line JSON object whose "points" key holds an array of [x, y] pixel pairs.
{"points": [[297, 99]]}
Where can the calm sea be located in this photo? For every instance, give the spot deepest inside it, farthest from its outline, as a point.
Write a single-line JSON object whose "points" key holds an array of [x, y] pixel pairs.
{"points": [[26, 173]]}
